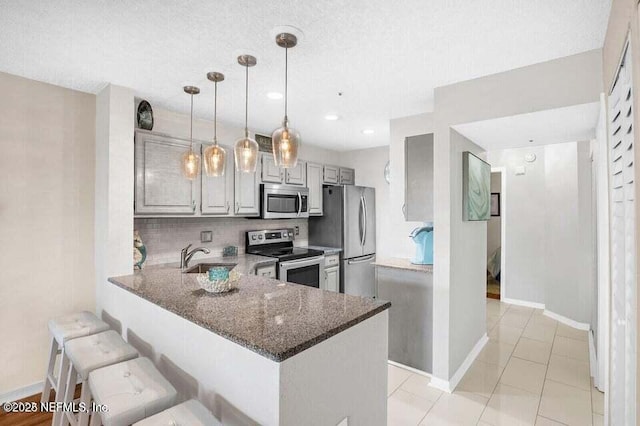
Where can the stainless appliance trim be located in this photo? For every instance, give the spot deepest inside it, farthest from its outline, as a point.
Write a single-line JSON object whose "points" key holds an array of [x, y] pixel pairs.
{"points": [[364, 203], [288, 265], [299, 203]]}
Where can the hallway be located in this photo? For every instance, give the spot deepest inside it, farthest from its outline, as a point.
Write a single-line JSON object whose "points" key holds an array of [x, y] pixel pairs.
{"points": [[533, 370]]}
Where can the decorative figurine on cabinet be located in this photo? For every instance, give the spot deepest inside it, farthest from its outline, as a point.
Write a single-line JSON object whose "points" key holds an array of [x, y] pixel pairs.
{"points": [[139, 251]]}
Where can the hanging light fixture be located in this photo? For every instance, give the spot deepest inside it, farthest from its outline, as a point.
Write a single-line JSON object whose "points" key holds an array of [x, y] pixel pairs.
{"points": [[286, 140], [215, 156], [191, 160], [246, 149]]}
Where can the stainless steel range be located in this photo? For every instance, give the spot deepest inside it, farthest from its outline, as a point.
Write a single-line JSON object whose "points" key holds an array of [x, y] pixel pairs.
{"points": [[295, 264]]}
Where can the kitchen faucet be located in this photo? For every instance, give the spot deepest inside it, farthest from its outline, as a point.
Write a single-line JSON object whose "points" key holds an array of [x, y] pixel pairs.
{"points": [[186, 255]]}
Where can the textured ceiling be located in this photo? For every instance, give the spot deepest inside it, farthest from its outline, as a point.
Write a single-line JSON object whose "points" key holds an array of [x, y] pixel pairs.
{"points": [[569, 124], [384, 56]]}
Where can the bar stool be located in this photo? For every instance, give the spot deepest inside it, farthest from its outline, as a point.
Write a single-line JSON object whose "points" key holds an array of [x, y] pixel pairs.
{"points": [[131, 391], [85, 355], [63, 329], [189, 413]]}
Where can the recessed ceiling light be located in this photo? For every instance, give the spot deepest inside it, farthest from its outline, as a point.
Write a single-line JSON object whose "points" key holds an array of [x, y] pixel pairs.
{"points": [[331, 117], [274, 95], [367, 132]]}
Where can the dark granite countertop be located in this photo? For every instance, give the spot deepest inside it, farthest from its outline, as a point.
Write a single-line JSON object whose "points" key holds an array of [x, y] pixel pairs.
{"points": [[275, 319]]}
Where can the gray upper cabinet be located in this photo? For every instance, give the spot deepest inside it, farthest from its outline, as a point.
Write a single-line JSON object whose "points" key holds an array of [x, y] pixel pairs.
{"points": [[314, 183], [160, 187], [418, 183], [331, 174], [247, 194], [347, 176], [270, 173], [297, 175], [217, 192]]}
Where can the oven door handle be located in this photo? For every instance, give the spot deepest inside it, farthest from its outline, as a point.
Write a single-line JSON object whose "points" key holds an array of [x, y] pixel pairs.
{"points": [[299, 203], [287, 264]]}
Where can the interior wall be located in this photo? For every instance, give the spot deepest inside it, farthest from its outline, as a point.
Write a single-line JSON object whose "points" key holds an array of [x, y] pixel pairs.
{"points": [[494, 225], [549, 228], [46, 219], [571, 80], [369, 165]]}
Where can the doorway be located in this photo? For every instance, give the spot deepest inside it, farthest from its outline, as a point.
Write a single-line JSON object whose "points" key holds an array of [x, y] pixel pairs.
{"points": [[495, 237]]}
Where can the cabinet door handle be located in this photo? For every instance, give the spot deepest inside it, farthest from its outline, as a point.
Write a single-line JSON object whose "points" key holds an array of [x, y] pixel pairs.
{"points": [[404, 211], [193, 205], [237, 207], [227, 207]]}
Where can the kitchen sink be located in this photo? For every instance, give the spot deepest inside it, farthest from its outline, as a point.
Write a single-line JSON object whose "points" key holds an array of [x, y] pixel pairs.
{"points": [[202, 268]]}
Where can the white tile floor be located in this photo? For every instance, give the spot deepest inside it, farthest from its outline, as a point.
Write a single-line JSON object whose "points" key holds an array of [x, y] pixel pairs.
{"points": [[532, 371]]}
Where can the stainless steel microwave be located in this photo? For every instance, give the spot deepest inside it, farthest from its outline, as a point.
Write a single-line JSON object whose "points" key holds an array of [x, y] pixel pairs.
{"points": [[283, 201]]}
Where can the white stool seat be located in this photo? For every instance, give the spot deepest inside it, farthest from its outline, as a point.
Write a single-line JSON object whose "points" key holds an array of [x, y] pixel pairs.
{"points": [[190, 413], [98, 350], [76, 325], [132, 390]]}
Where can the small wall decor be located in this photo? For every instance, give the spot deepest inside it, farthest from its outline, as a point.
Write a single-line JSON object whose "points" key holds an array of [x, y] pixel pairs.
{"points": [[476, 188], [264, 143], [139, 251], [145, 115], [495, 204]]}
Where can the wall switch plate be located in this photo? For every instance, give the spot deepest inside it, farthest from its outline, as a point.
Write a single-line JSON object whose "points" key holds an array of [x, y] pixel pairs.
{"points": [[297, 228], [206, 236], [520, 170]]}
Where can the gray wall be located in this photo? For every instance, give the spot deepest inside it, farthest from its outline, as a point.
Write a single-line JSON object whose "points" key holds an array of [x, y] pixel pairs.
{"points": [[571, 80], [549, 228]]}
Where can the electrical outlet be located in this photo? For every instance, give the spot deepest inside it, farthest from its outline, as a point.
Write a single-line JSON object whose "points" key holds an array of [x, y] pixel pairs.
{"points": [[297, 228], [206, 236]]}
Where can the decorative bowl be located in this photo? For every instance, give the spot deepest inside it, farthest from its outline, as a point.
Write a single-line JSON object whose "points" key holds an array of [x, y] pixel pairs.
{"points": [[218, 286]]}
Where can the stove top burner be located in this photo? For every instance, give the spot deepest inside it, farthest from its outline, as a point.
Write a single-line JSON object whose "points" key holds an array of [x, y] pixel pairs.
{"points": [[289, 253]]}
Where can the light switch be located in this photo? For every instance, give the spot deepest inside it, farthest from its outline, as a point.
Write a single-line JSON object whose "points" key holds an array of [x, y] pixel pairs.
{"points": [[206, 236], [520, 170]]}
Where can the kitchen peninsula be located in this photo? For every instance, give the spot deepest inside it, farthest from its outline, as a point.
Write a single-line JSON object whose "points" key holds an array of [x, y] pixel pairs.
{"points": [[270, 352]]}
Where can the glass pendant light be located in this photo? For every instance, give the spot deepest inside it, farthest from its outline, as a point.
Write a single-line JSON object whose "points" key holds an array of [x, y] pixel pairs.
{"points": [[246, 149], [215, 156], [285, 140], [191, 160]]}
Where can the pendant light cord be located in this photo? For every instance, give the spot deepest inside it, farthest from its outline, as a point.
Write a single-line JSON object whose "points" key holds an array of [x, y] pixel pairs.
{"points": [[191, 127], [215, 114], [246, 101], [286, 80]]}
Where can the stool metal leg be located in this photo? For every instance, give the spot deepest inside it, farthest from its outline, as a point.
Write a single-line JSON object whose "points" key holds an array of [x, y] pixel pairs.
{"points": [[48, 378]]}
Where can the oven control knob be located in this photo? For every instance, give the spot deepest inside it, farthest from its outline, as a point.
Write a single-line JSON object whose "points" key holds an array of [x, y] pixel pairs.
{"points": [[259, 237], [253, 237], [285, 234]]}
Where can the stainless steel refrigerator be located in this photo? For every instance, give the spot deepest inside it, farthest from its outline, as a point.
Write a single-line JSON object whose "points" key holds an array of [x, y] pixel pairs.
{"points": [[349, 222]]}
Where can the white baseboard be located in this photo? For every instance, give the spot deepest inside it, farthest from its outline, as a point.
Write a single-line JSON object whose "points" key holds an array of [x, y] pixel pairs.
{"points": [[567, 321], [523, 303], [593, 358], [406, 367], [24, 392], [450, 385]]}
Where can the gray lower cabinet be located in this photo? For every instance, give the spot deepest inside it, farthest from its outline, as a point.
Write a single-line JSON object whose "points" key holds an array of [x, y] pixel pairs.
{"points": [[347, 176], [332, 279], [331, 174], [314, 183], [410, 315], [269, 172], [418, 183], [297, 175], [247, 194], [160, 186], [217, 192]]}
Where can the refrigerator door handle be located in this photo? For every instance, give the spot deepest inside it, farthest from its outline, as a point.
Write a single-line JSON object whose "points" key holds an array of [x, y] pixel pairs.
{"points": [[361, 260], [363, 221], [364, 204]]}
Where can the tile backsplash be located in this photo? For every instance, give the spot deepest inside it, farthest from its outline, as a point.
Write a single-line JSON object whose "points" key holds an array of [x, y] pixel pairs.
{"points": [[165, 237]]}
